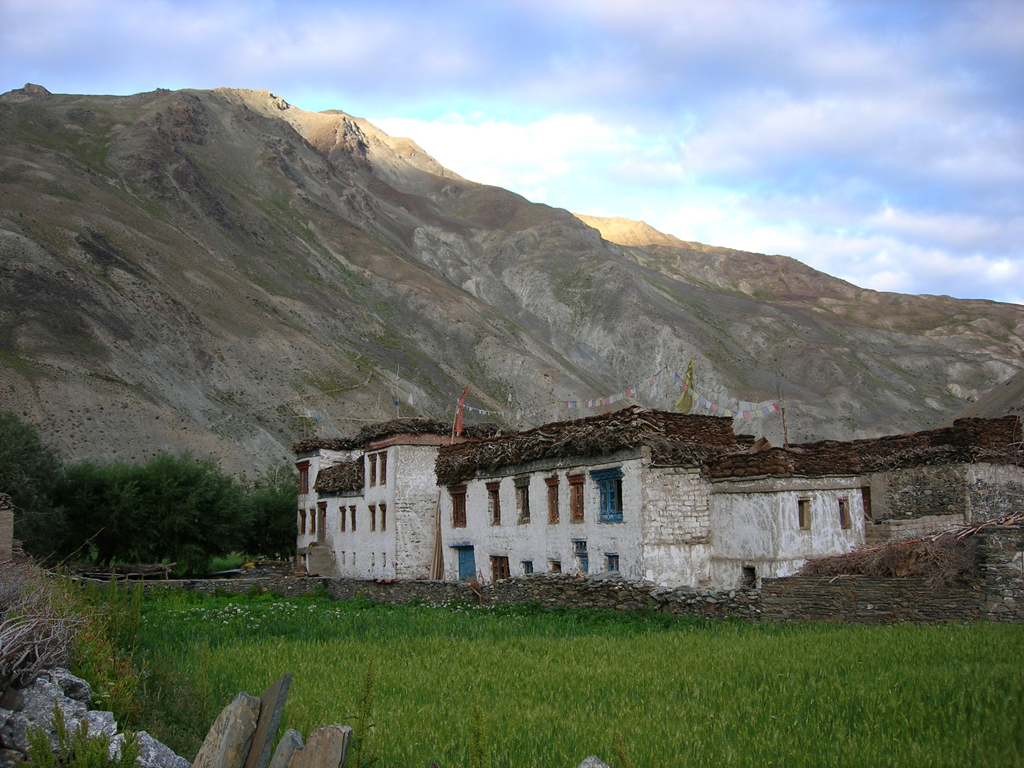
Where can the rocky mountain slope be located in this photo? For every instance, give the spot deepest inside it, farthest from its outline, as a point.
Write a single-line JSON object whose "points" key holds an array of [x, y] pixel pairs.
{"points": [[223, 272]]}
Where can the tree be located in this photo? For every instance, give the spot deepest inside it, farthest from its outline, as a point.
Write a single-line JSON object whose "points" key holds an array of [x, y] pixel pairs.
{"points": [[28, 473], [104, 509], [271, 501], [192, 511]]}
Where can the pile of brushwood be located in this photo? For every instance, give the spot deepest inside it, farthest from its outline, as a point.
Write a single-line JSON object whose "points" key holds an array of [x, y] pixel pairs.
{"points": [[942, 558]]}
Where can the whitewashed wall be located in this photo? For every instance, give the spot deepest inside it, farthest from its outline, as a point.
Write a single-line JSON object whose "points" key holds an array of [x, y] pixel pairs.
{"points": [[755, 523], [540, 541], [676, 527]]}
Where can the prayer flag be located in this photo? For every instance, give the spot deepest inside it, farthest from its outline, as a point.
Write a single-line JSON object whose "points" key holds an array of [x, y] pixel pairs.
{"points": [[685, 402], [458, 412]]}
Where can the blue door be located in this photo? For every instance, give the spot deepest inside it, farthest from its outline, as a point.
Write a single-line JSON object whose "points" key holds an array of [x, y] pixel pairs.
{"points": [[467, 563]]}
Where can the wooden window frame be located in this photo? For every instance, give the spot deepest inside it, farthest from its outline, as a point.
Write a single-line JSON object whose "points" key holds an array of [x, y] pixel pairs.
{"points": [[522, 485], [458, 497], [303, 467], [372, 459], [552, 484], [844, 513], [499, 568], [555, 566], [312, 522], [576, 498], [494, 502], [302, 522], [609, 485], [527, 567], [373, 517], [611, 561], [383, 516], [382, 471], [803, 513], [353, 520]]}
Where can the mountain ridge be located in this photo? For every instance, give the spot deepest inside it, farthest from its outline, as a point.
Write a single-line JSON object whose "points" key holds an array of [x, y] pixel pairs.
{"points": [[212, 269]]}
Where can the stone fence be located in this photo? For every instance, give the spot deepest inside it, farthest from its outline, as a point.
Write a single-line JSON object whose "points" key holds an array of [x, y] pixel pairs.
{"points": [[996, 594]]}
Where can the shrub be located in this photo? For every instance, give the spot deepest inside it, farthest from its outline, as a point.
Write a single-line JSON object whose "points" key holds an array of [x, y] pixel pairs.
{"points": [[77, 749]]}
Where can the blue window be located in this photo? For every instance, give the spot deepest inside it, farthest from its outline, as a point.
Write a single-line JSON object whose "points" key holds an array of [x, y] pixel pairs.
{"points": [[612, 561], [467, 562], [579, 549], [609, 484]]}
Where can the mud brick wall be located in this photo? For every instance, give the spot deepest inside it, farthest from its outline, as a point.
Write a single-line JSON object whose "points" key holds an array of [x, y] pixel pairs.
{"points": [[1002, 554], [859, 600]]}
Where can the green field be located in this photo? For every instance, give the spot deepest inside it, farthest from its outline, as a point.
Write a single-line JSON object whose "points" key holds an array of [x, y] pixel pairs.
{"points": [[556, 687]]}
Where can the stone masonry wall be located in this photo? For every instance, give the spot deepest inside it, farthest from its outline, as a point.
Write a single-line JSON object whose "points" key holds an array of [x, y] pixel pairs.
{"points": [[1002, 554]]}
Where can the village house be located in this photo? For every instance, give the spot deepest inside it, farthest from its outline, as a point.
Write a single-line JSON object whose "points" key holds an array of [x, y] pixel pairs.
{"points": [[649, 495]]}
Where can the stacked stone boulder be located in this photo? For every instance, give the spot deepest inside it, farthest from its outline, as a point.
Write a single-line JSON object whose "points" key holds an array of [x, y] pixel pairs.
{"points": [[33, 707]]}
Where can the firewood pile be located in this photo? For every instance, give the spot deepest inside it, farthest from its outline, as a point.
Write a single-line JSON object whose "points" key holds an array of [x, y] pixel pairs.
{"points": [[696, 436], [941, 558], [407, 426], [968, 440], [122, 572], [347, 476]]}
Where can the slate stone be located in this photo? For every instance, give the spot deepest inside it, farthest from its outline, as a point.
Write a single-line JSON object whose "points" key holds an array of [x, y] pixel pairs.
{"points": [[99, 722], [73, 687], [152, 754], [38, 700], [11, 759], [271, 707], [227, 743], [593, 762], [289, 744], [325, 748]]}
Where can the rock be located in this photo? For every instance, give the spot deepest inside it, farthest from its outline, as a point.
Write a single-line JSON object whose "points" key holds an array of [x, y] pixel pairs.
{"points": [[593, 762], [152, 753], [289, 744], [73, 687], [39, 700], [228, 741], [271, 706], [99, 721], [326, 748], [11, 700], [11, 759]]}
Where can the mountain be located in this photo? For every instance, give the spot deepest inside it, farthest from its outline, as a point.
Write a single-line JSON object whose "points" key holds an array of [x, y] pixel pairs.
{"points": [[222, 272]]}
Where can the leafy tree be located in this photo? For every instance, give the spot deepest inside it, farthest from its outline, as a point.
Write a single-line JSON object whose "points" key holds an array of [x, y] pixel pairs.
{"points": [[103, 507], [271, 501], [193, 511], [28, 472]]}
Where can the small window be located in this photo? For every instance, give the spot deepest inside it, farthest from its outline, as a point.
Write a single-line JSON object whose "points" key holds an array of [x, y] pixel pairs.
{"points": [[373, 469], [383, 475], [303, 467], [611, 561], [575, 498], [494, 502], [383, 517], [844, 514], [523, 499], [499, 568], [373, 560], [312, 521], [353, 521], [302, 521], [609, 484], [865, 497], [579, 550], [803, 513], [373, 518], [321, 517], [527, 567], [343, 557], [552, 484], [458, 495], [749, 577], [555, 566]]}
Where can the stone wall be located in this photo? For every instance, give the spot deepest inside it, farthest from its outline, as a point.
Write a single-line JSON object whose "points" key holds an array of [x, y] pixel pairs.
{"points": [[861, 600], [1001, 551]]}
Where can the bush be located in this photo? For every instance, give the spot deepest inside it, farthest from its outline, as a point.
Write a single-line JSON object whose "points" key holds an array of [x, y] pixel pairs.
{"points": [[271, 501]]}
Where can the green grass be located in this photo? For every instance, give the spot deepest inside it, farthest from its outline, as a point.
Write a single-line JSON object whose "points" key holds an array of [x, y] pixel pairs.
{"points": [[556, 686]]}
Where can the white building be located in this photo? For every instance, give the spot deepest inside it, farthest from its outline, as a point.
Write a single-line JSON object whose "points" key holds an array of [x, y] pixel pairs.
{"points": [[658, 496]]}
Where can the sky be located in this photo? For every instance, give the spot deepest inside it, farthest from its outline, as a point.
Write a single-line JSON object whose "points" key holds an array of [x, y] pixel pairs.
{"points": [[880, 142]]}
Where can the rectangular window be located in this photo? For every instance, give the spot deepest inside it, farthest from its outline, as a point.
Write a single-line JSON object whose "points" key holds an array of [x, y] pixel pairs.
{"points": [[609, 484], [579, 549], [312, 521], [302, 521], [749, 577], [383, 517], [458, 495], [353, 521], [803, 513], [552, 484], [373, 469], [383, 474], [575, 498], [343, 554], [555, 566], [494, 503], [865, 497], [499, 568], [373, 518], [611, 561], [523, 499], [321, 519], [303, 467], [844, 514], [527, 567]]}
